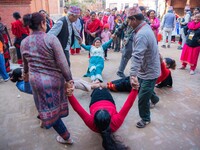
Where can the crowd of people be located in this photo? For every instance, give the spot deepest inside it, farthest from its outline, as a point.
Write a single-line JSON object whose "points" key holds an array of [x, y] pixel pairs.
{"points": [[44, 47]]}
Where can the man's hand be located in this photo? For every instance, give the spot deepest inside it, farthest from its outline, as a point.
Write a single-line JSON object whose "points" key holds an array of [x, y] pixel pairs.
{"points": [[134, 82], [25, 77]]}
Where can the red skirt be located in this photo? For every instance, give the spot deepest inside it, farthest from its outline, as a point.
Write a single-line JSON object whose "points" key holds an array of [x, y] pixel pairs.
{"points": [[190, 54]]}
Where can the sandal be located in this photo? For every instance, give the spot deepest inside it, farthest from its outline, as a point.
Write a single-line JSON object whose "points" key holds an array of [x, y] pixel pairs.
{"points": [[142, 124], [62, 141]]}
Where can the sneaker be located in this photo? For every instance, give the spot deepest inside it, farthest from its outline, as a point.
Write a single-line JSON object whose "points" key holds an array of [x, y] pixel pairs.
{"points": [[62, 141], [168, 46], [142, 123], [5, 80], [182, 67], [121, 74], [192, 72], [163, 46], [179, 48]]}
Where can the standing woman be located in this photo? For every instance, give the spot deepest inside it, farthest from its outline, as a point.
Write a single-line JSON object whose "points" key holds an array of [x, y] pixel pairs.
{"points": [[20, 32], [93, 27], [191, 49], [154, 22], [46, 65]]}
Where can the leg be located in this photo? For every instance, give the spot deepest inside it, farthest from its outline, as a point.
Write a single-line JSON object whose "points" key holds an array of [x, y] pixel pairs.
{"points": [[126, 55], [67, 56], [63, 132], [164, 38], [183, 65], [122, 85], [145, 94], [183, 37], [169, 37], [3, 72]]}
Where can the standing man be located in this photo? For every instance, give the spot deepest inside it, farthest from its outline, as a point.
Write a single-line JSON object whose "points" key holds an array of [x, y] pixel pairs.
{"points": [[145, 64], [167, 25], [65, 31]]}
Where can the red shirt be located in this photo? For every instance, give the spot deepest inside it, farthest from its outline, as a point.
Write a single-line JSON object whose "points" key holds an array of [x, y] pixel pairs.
{"points": [[117, 118], [164, 73], [18, 29]]}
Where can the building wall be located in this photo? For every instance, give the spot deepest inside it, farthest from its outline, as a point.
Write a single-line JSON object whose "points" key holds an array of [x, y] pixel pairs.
{"points": [[120, 4], [7, 7]]}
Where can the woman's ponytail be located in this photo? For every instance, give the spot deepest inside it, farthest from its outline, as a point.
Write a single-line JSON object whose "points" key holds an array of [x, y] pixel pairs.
{"points": [[102, 121]]}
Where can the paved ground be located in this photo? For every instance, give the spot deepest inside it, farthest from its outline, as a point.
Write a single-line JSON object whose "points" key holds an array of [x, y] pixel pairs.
{"points": [[175, 120]]}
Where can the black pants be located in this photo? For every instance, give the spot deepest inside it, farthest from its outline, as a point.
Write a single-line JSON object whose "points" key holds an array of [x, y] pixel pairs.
{"points": [[167, 82], [101, 94], [123, 85]]}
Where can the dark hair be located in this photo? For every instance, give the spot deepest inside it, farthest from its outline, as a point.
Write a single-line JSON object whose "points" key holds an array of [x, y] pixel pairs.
{"points": [[171, 63], [33, 20], [197, 8], [16, 15], [16, 74], [92, 13], [102, 121], [142, 8], [97, 39], [148, 13], [139, 17]]}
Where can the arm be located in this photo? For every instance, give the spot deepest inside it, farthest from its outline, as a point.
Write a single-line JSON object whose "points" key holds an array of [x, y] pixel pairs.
{"points": [[118, 119], [107, 44], [24, 87], [81, 111], [60, 58], [55, 30], [86, 47], [121, 28], [186, 19], [138, 54], [86, 28]]}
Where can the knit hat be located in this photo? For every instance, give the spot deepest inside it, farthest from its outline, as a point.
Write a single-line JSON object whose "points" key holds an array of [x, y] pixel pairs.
{"points": [[106, 26], [97, 39], [133, 11], [74, 10]]}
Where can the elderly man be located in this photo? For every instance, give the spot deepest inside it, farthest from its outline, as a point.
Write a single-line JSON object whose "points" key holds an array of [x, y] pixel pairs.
{"points": [[145, 64], [65, 31]]}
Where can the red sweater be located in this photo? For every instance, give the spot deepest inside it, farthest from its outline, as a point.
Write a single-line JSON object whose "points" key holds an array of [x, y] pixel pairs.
{"points": [[117, 118], [164, 73]]}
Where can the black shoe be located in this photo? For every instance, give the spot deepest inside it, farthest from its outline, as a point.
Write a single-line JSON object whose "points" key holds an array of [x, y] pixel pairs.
{"points": [[163, 46], [158, 86], [121, 74]]}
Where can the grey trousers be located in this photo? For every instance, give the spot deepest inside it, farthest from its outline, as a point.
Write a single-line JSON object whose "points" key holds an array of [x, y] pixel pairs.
{"points": [[126, 55], [67, 57]]}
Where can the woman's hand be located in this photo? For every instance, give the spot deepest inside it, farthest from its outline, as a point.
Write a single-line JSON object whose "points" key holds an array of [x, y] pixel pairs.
{"points": [[69, 88], [25, 77]]}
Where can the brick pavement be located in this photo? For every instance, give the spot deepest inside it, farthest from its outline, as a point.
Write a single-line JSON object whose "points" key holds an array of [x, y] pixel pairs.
{"points": [[175, 120]]}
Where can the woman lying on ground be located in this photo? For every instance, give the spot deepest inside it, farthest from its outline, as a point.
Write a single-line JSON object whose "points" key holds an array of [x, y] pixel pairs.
{"points": [[103, 117]]}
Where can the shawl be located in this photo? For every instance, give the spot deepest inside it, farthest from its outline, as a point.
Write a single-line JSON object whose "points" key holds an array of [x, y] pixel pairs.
{"points": [[93, 26]]}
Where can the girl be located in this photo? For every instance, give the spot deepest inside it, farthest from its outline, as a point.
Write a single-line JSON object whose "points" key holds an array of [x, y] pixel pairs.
{"points": [[96, 61], [105, 37], [103, 117]]}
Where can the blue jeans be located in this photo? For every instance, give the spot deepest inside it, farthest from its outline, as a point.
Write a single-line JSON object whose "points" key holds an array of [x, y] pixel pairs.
{"points": [[3, 72]]}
